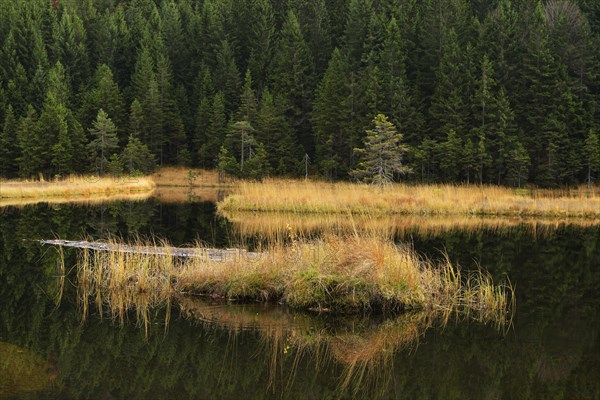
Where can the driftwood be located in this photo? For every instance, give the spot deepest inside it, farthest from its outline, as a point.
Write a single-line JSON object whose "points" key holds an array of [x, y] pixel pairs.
{"points": [[185, 252]]}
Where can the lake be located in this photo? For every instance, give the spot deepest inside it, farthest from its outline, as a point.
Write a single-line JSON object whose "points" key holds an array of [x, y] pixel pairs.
{"points": [[201, 348]]}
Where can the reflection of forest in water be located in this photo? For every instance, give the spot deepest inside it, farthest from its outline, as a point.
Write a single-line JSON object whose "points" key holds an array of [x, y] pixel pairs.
{"points": [[552, 352]]}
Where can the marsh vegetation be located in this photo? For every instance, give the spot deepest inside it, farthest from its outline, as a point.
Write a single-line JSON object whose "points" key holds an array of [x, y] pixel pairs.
{"points": [[315, 197]]}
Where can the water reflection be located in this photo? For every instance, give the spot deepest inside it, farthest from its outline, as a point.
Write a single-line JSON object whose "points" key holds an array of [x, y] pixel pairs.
{"points": [[364, 347], [553, 350], [271, 226]]}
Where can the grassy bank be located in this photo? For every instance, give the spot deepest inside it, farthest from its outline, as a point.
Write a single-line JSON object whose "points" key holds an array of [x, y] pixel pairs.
{"points": [[276, 195], [190, 177], [74, 187], [339, 274]]}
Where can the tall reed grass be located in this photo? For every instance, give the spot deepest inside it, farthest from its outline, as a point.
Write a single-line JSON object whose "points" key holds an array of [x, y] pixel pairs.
{"points": [[74, 187], [321, 197], [347, 276], [191, 177], [350, 274]]}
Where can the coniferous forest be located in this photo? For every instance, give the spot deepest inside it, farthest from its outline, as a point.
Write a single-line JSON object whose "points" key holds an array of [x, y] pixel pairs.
{"points": [[480, 91]]}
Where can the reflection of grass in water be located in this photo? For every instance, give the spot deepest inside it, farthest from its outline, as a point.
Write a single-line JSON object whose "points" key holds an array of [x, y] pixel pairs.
{"points": [[273, 226], [362, 346], [320, 197], [350, 274], [339, 273], [79, 200], [344, 274], [74, 186]]}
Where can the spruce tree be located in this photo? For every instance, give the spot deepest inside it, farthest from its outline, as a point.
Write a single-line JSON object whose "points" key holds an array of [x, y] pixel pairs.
{"points": [[212, 139], [382, 156], [292, 79], [591, 151], [106, 95], [227, 76], [31, 147], [274, 132], [397, 102], [448, 109], [334, 144], [70, 47], [8, 144], [104, 142], [261, 41], [137, 157]]}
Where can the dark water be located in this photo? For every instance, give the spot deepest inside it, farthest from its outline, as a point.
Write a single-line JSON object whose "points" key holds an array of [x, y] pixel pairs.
{"points": [[48, 351]]}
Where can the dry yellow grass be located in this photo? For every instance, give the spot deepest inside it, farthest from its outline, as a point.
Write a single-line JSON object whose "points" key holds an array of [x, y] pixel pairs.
{"points": [[74, 187], [186, 177], [342, 274], [273, 225], [321, 197]]}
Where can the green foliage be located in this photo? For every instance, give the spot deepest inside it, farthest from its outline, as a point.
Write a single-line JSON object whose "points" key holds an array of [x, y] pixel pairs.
{"points": [[8, 144], [137, 157], [591, 150], [104, 142], [508, 77], [381, 160]]}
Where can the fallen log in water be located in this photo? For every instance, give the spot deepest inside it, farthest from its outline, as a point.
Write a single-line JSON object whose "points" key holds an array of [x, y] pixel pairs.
{"points": [[185, 252]]}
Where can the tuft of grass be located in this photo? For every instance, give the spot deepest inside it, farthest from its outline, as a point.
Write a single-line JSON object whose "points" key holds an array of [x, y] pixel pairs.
{"points": [[294, 196], [339, 274], [73, 188]]}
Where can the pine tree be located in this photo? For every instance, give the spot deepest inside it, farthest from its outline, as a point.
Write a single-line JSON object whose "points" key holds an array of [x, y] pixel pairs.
{"points": [[70, 47], [30, 145], [334, 141], [104, 142], [8, 144], [136, 117], [106, 95], [591, 151], [247, 110], [62, 151], [227, 76], [214, 136], [397, 102], [313, 18], [448, 109], [137, 157], [261, 41], [360, 14], [172, 127], [518, 164], [451, 156], [274, 132], [257, 165], [382, 156], [292, 79]]}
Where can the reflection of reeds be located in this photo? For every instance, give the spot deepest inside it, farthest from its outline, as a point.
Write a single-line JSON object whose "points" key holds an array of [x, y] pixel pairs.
{"points": [[321, 197], [72, 189], [348, 274], [273, 225], [363, 347], [78, 200], [340, 274]]}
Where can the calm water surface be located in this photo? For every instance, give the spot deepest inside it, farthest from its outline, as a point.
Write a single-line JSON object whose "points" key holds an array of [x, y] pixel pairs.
{"points": [[232, 352]]}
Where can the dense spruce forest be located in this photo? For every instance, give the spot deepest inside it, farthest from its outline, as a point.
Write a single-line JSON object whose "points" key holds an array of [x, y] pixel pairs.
{"points": [[486, 91]]}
